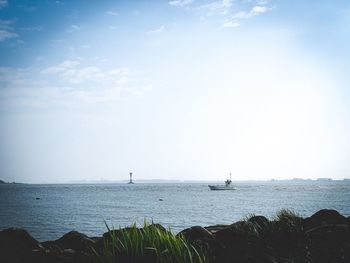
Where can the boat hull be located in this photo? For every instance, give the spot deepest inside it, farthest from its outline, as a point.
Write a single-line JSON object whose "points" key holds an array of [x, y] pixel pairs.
{"points": [[220, 187]]}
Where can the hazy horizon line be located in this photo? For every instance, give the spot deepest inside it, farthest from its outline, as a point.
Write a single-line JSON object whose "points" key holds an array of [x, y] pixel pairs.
{"points": [[155, 180]]}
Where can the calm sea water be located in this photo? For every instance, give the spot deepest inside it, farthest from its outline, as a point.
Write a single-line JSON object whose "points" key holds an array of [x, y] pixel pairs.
{"points": [[85, 208]]}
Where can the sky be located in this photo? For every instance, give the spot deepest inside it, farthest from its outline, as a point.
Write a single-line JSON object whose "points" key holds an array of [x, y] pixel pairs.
{"points": [[179, 89]]}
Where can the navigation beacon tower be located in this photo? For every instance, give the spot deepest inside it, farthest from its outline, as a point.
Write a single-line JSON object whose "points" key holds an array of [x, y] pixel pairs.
{"points": [[130, 182]]}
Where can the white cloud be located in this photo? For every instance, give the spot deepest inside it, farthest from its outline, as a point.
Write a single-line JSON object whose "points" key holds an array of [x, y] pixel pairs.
{"points": [[68, 64], [217, 7], [73, 28], [255, 11], [7, 30], [3, 3], [262, 2], [157, 30], [4, 35], [112, 13], [225, 8], [231, 23], [71, 83], [32, 28], [180, 2], [70, 71]]}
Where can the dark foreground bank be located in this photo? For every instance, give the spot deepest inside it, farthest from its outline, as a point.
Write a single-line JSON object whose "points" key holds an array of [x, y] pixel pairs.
{"points": [[288, 238]]}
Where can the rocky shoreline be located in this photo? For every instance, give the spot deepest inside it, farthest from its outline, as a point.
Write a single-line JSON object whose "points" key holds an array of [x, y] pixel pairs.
{"points": [[322, 238]]}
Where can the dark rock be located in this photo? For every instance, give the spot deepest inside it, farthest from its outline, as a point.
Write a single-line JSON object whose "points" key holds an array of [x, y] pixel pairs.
{"points": [[234, 244], [52, 248], [69, 251], [196, 233], [99, 242], [286, 233], [287, 238], [329, 243], [203, 239], [16, 245], [324, 217], [73, 240], [72, 247], [335, 232], [215, 228], [235, 241], [247, 241], [150, 255], [76, 241], [253, 230]]}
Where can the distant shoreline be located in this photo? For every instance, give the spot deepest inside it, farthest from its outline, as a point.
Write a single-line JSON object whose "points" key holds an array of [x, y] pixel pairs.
{"points": [[3, 182], [164, 181]]}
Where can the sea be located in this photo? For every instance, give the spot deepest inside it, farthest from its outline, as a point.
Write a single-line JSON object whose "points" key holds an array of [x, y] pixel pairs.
{"points": [[49, 211]]}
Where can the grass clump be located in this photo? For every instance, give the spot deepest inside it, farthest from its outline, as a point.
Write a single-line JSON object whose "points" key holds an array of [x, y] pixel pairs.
{"points": [[150, 243], [286, 225], [288, 215], [287, 235], [288, 219]]}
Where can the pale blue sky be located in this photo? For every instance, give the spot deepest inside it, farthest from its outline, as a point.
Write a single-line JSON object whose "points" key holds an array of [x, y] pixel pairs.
{"points": [[174, 89]]}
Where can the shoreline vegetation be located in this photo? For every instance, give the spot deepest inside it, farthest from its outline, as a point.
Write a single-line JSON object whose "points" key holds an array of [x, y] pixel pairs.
{"points": [[286, 238]]}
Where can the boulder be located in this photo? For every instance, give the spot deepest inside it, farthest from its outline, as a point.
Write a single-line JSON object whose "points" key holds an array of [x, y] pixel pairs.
{"points": [[73, 240], [324, 217], [329, 243], [16, 245], [150, 255], [69, 252], [250, 241], [215, 228], [335, 233], [99, 242], [196, 233], [286, 233], [235, 243], [203, 239]]}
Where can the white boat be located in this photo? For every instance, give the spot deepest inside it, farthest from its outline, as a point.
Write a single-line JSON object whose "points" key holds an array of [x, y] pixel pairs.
{"points": [[227, 185]]}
